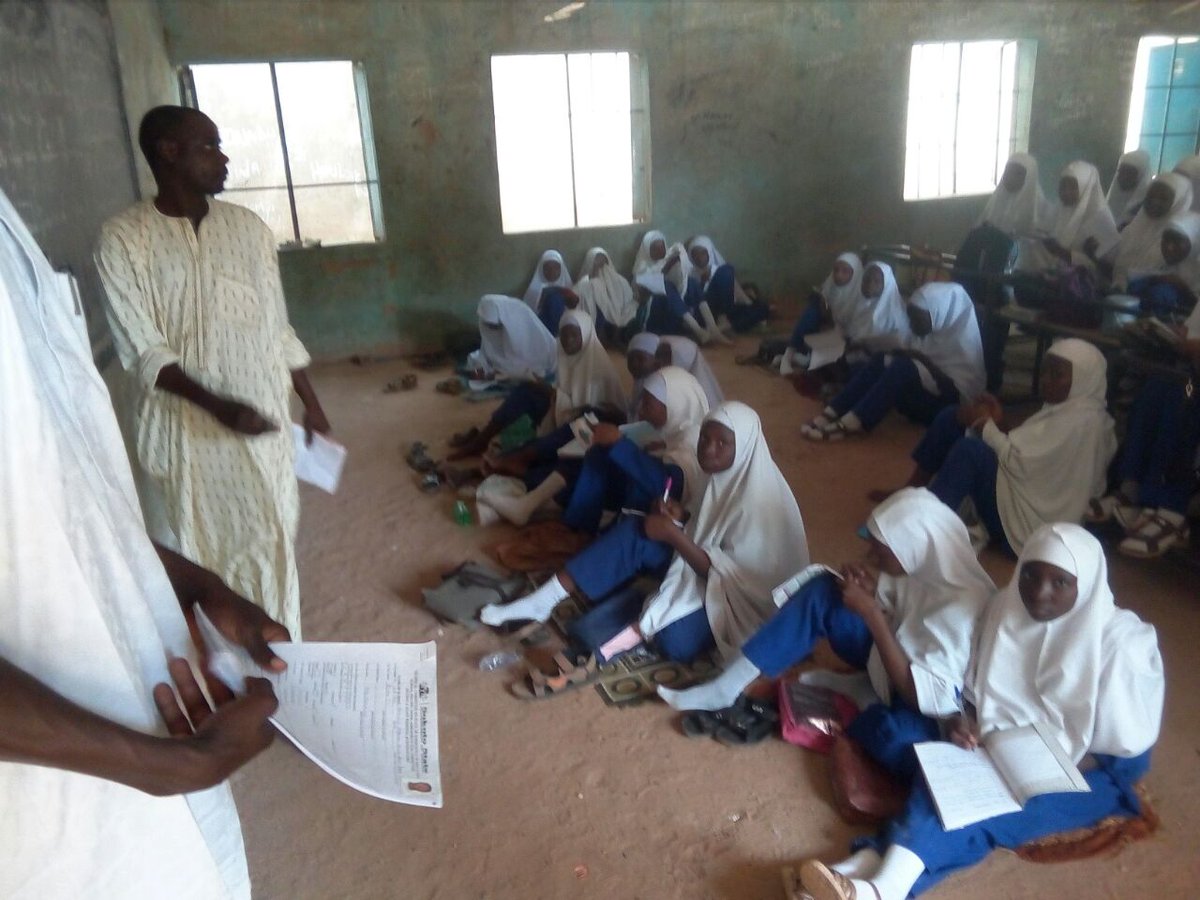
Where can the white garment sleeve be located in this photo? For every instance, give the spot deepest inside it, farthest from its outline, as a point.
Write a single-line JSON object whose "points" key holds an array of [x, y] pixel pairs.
{"points": [[141, 346], [997, 440], [937, 697], [295, 355]]}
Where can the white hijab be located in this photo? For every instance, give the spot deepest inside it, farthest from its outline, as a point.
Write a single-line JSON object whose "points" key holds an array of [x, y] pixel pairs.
{"points": [[954, 345], [1120, 201], [1020, 214], [1094, 674], [750, 527], [880, 323], [686, 354], [687, 406], [644, 342], [843, 298], [607, 293], [1188, 224], [715, 259], [643, 265], [1057, 460], [1139, 248], [588, 378], [533, 293], [1071, 226], [522, 347], [1189, 167], [935, 607]]}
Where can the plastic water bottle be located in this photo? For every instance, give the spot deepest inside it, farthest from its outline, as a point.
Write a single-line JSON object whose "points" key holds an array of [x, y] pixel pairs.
{"points": [[462, 513], [501, 659]]}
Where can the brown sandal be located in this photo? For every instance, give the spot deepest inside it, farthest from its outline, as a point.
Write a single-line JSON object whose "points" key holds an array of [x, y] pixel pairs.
{"points": [[537, 685], [823, 883]]}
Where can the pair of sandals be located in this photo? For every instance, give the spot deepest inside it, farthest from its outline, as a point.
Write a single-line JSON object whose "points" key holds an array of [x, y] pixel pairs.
{"points": [[821, 429], [1149, 533], [748, 721]]}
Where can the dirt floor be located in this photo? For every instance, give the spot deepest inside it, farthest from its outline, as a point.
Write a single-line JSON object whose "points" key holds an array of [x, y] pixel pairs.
{"points": [[569, 798]]}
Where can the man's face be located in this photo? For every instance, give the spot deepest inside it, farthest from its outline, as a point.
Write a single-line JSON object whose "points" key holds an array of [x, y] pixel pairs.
{"points": [[193, 153]]}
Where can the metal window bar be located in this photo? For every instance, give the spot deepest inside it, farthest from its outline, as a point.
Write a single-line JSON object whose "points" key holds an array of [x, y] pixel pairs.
{"points": [[287, 163], [571, 135], [954, 139]]}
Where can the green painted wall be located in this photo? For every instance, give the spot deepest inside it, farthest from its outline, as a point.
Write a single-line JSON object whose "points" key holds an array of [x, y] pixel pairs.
{"points": [[777, 128]]}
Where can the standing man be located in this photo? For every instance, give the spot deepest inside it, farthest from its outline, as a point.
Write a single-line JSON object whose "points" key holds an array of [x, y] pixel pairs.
{"points": [[111, 784], [198, 318]]}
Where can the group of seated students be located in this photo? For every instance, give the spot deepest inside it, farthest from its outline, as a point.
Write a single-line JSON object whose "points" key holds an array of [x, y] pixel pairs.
{"points": [[935, 357], [672, 290], [703, 512]]}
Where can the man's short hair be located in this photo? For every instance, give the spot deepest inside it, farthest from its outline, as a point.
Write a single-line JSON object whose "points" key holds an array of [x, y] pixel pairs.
{"points": [[160, 122]]}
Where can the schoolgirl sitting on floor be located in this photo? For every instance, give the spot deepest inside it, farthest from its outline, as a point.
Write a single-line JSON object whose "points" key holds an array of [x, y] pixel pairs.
{"points": [[1045, 470], [548, 288], [615, 474], [513, 342], [838, 293], [745, 536], [605, 295], [908, 619], [1054, 650], [586, 380], [941, 363]]}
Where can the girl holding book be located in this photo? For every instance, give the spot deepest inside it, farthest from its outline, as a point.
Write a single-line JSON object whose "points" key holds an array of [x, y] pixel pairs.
{"points": [[1055, 651]]}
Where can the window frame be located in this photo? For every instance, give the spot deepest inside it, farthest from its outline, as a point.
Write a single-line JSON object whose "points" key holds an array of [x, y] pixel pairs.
{"points": [[1022, 110], [639, 137], [187, 86], [1137, 99]]}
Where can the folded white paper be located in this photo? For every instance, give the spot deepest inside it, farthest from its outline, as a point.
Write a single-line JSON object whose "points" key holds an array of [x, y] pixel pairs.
{"points": [[319, 463]]}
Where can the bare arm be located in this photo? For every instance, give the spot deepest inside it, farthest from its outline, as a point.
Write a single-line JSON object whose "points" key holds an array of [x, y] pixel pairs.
{"points": [[41, 727], [233, 414], [859, 595], [660, 526], [314, 415]]}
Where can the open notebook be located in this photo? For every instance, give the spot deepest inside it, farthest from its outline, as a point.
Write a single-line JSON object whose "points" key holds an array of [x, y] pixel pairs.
{"points": [[999, 777], [641, 433]]}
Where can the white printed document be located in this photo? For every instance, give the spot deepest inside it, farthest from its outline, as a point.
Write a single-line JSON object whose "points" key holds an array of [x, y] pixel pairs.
{"points": [[365, 713], [319, 463], [826, 346], [998, 777]]}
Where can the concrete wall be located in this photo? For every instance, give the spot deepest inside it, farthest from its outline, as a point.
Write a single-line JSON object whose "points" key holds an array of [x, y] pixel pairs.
{"points": [[777, 128], [65, 159]]}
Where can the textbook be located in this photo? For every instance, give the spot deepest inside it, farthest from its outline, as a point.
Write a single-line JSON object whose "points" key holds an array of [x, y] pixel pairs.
{"points": [[365, 713], [1000, 776]]}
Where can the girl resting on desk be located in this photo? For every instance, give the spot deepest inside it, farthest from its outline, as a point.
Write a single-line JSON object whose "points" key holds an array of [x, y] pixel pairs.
{"points": [[1045, 470], [1054, 650], [908, 619]]}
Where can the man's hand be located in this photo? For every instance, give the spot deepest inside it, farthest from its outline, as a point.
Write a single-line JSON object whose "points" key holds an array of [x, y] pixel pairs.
{"points": [[243, 623], [240, 417], [221, 740], [314, 420]]}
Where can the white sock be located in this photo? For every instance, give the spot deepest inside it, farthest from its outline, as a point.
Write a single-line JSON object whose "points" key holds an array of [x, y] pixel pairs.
{"points": [[785, 361], [851, 422], [701, 336], [896, 875], [863, 864], [714, 330], [536, 606], [718, 693], [519, 509], [485, 514]]}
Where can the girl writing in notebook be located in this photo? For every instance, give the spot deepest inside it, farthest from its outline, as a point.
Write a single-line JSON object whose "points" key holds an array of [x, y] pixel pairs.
{"points": [[907, 618], [1054, 650]]}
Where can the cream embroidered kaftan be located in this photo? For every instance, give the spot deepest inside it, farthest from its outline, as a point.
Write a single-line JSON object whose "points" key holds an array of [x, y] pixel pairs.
{"points": [[211, 301]]}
